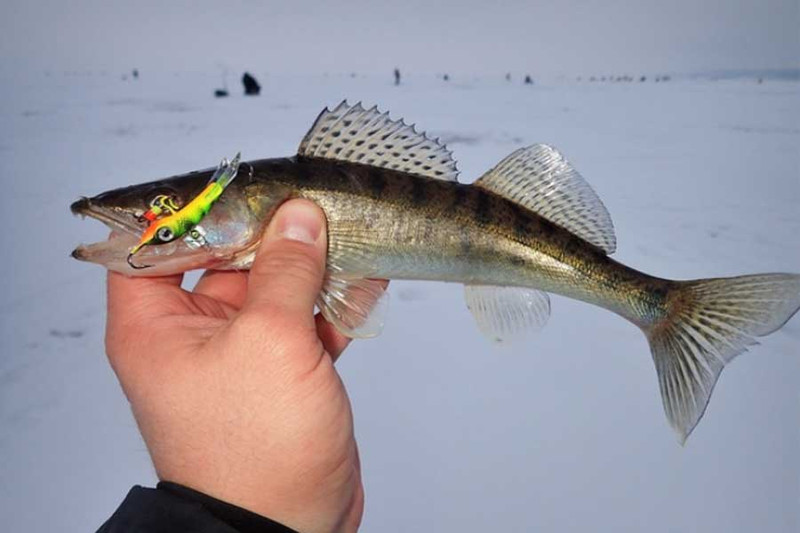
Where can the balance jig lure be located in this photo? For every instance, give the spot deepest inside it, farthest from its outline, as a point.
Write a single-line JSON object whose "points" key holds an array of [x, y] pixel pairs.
{"points": [[169, 222]]}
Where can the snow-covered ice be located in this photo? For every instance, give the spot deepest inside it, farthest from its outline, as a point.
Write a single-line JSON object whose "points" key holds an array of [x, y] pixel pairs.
{"points": [[565, 433]]}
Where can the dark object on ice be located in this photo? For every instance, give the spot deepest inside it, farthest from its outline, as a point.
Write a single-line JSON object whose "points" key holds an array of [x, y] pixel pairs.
{"points": [[396, 76], [528, 79], [760, 81], [508, 76], [135, 73], [643, 78], [251, 86], [66, 334], [446, 77], [221, 93]]}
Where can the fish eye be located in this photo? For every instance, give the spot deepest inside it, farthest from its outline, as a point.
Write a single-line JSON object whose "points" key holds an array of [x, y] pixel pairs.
{"points": [[165, 234]]}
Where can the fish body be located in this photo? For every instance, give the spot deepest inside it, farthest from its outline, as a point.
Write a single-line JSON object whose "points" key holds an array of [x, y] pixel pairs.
{"points": [[387, 224], [528, 227]]}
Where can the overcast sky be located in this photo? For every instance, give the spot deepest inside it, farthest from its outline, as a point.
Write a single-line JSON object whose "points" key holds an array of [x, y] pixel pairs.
{"points": [[564, 36]]}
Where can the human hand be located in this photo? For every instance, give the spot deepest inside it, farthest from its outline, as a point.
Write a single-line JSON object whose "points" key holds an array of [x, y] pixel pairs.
{"points": [[233, 385]]}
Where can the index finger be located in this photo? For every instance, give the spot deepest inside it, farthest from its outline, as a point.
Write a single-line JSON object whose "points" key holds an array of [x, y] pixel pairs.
{"points": [[132, 298]]}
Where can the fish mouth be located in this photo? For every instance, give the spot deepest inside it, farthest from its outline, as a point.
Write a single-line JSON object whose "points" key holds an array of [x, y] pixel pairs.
{"points": [[126, 232], [121, 225], [115, 220]]}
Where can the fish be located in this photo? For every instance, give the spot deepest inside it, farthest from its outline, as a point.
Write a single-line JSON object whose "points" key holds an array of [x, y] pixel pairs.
{"points": [[530, 226]]}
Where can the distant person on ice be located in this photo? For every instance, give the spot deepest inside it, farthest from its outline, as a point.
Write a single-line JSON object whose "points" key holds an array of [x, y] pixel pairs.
{"points": [[396, 76], [251, 86]]}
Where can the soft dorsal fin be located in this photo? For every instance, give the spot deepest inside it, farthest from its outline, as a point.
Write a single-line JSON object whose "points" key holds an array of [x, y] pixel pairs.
{"points": [[540, 179], [366, 136]]}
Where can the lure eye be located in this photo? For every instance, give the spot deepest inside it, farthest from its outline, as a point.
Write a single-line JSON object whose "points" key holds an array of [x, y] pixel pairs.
{"points": [[165, 234]]}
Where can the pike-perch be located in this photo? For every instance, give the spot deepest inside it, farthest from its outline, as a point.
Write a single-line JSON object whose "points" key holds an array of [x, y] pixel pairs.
{"points": [[529, 226]]}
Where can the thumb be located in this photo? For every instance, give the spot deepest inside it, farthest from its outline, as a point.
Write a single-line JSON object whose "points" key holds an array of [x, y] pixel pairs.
{"points": [[289, 267]]}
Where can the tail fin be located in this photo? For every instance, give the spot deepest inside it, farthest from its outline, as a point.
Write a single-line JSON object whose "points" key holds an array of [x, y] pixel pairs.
{"points": [[708, 323]]}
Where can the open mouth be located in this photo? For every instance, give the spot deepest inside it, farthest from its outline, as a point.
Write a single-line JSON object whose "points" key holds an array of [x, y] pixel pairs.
{"points": [[120, 221], [126, 232], [227, 241]]}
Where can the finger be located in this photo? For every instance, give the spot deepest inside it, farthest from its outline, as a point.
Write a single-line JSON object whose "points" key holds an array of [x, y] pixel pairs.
{"points": [[131, 297], [132, 301], [227, 286], [333, 341], [287, 273]]}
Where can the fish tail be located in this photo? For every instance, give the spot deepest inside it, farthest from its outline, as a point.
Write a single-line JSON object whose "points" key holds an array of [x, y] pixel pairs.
{"points": [[707, 323]]}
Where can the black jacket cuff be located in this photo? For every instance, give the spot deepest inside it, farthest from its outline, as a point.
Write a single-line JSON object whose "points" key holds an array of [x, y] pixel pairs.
{"points": [[174, 508]]}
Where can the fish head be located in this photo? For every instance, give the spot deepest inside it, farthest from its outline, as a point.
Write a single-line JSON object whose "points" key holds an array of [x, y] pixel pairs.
{"points": [[224, 238]]}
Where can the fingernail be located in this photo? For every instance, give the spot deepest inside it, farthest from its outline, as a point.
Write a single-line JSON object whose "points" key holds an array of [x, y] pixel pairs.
{"points": [[297, 220]]}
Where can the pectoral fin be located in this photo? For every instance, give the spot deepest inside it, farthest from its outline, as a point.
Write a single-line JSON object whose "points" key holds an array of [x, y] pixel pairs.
{"points": [[357, 307]]}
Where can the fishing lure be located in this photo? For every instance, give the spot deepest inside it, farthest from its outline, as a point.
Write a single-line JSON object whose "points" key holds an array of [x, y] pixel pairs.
{"points": [[169, 222]]}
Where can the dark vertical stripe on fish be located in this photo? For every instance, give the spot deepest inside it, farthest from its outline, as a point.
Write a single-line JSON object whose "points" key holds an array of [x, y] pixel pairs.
{"points": [[545, 227], [302, 173], [377, 183], [520, 222], [483, 211], [418, 196], [459, 194]]}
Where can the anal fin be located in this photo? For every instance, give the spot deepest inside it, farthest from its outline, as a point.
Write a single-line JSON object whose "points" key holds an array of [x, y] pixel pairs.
{"points": [[507, 313]]}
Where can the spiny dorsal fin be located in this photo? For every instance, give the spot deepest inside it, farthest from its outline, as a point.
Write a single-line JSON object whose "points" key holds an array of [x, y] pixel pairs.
{"points": [[366, 136], [540, 179]]}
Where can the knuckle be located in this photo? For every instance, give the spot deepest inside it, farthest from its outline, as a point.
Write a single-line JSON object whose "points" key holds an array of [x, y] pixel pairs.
{"points": [[293, 259]]}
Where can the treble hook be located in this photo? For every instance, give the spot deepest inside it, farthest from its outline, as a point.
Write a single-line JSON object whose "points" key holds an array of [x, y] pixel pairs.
{"points": [[160, 203]]}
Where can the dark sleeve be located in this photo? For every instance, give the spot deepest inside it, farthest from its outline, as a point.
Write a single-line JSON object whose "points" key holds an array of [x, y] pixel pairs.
{"points": [[173, 508]]}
